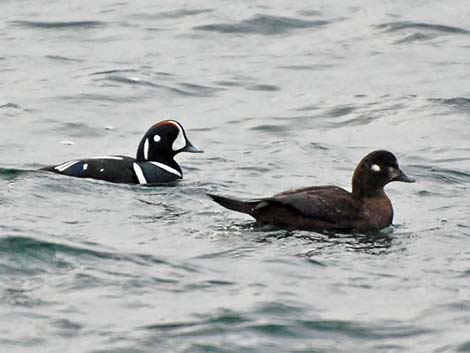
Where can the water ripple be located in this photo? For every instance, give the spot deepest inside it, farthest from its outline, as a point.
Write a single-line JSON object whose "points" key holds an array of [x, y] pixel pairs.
{"points": [[28, 247], [112, 71], [172, 14], [77, 129], [264, 87], [358, 329], [59, 25], [341, 111], [11, 173], [315, 67], [415, 37], [275, 325], [405, 25], [442, 175], [95, 97], [10, 105], [263, 24], [457, 103], [181, 89], [63, 58]]}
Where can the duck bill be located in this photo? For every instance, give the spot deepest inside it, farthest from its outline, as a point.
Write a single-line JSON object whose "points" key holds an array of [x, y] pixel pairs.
{"points": [[192, 148], [404, 178]]}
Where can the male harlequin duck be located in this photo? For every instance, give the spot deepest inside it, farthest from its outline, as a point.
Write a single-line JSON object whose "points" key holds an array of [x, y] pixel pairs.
{"points": [[154, 163], [331, 208]]}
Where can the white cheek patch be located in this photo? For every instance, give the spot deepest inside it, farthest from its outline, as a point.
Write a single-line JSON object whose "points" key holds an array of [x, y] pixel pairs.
{"points": [[85, 166], [146, 149], [393, 172], [180, 141], [375, 168], [157, 138]]}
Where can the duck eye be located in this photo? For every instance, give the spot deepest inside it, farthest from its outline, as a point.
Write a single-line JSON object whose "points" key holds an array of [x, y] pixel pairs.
{"points": [[375, 168], [157, 138]]}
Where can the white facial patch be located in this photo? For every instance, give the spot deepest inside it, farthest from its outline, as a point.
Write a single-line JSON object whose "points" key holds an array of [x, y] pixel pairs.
{"points": [[146, 149], [157, 138], [393, 172], [65, 165], [85, 166], [139, 173], [180, 141], [375, 168]]}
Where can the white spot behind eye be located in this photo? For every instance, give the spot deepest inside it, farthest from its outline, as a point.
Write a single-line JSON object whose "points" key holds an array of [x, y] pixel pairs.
{"points": [[157, 138], [146, 149], [85, 166], [375, 168]]}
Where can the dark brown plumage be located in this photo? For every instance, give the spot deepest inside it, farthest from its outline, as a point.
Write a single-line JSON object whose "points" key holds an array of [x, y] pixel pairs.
{"points": [[331, 208]]}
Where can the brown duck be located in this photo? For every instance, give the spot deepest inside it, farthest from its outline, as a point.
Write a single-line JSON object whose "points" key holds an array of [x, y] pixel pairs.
{"points": [[331, 208]]}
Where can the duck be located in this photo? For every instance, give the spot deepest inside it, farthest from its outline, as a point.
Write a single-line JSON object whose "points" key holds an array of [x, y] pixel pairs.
{"points": [[331, 209], [154, 162]]}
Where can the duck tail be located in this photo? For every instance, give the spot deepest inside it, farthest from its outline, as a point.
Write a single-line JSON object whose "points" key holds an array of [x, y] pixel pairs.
{"points": [[235, 205]]}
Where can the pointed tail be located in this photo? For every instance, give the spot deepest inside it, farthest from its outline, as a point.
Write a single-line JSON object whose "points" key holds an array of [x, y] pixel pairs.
{"points": [[235, 205]]}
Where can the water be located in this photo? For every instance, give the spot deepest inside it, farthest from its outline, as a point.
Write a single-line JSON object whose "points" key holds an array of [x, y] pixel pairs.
{"points": [[280, 95]]}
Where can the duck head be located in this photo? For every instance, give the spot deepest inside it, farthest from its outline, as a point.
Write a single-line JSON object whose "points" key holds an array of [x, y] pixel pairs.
{"points": [[374, 171], [163, 141]]}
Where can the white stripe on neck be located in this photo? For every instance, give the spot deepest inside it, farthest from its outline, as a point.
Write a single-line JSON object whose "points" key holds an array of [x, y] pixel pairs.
{"points": [[146, 149], [167, 168]]}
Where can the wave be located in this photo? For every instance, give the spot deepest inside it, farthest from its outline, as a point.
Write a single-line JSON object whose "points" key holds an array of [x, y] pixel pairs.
{"points": [[172, 14], [11, 173], [406, 25], [59, 25], [10, 105], [283, 322], [459, 103], [184, 89], [29, 247], [442, 175], [263, 24]]}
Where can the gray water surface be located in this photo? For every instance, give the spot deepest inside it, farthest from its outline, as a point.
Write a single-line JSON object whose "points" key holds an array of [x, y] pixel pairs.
{"points": [[280, 95]]}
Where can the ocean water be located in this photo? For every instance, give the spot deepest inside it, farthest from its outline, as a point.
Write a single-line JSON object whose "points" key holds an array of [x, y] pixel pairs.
{"points": [[280, 94]]}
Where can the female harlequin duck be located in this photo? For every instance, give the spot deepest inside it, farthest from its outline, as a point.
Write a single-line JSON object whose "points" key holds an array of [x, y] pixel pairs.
{"points": [[154, 163], [331, 208]]}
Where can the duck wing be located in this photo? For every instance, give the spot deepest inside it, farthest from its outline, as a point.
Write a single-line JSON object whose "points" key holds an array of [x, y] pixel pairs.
{"points": [[317, 208], [115, 169]]}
